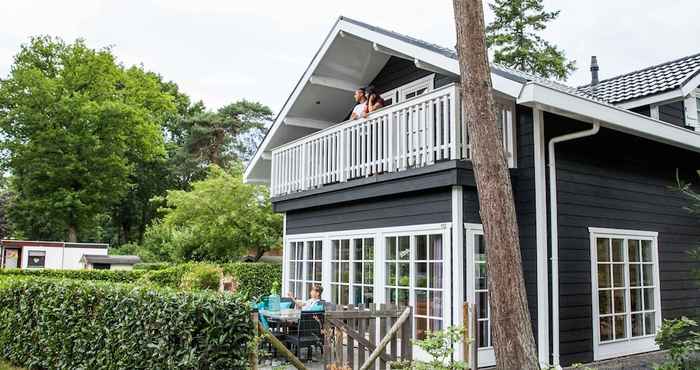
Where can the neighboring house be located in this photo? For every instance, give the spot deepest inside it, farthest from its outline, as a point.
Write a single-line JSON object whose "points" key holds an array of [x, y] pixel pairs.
{"points": [[50, 255], [385, 209], [104, 262]]}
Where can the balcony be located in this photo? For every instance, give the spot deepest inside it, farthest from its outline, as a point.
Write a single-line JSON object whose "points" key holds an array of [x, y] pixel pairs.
{"points": [[415, 133]]}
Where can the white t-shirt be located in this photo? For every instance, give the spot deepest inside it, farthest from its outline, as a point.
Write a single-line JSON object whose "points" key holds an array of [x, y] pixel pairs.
{"points": [[310, 303], [359, 110]]}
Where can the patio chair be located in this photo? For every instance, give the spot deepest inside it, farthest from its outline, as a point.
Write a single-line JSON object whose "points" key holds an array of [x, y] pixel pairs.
{"points": [[308, 333]]}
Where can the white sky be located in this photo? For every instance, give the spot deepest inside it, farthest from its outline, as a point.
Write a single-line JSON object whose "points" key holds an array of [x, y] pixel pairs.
{"points": [[221, 51]]}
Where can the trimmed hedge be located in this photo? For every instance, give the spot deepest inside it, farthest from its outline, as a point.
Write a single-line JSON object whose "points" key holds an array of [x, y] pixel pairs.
{"points": [[254, 279], [115, 276], [152, 265], [69, 324]]}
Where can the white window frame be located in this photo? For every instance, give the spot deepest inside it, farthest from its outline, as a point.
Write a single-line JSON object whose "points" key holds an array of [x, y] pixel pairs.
{"points": [[629, 345], [42, 253], [398, 95], [351, 284], [305, 261]]}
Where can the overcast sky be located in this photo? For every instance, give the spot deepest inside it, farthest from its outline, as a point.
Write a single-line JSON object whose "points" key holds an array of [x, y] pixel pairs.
{"points": [[221, 51]]}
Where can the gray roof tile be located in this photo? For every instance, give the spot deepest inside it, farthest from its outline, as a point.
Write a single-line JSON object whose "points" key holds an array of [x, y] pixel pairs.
{"points": [[645, 82]]}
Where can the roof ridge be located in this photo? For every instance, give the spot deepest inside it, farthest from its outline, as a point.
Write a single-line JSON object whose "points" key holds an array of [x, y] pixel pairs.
{"points": [[643, 69]]}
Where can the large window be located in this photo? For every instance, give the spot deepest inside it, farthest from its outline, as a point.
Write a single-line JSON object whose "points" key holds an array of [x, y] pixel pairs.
{"points": [[414, 273], [305, 266], [352, 271], [482, 292], [625, 291]]}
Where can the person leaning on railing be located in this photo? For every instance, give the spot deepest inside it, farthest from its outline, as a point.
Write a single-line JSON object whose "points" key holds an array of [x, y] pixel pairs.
{"points": [[374, 100]]}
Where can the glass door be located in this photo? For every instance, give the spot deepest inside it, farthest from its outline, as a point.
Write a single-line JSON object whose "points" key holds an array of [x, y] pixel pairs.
{"points": [[11, 258], [477, 291]]}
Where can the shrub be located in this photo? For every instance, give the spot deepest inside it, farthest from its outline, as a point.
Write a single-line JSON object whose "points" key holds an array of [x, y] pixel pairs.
{"points": [[170, 277], [115, 276], [68, 324], [681, 337], [254, 279], [202, 277]]}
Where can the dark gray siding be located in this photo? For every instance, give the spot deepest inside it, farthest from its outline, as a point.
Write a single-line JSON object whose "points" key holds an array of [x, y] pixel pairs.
{"points": [[398, 72], [425, 207], [614, 180], [673, 113]]}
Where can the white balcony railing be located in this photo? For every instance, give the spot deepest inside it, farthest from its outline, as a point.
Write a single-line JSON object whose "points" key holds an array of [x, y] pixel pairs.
{"points": [[414, 133]]}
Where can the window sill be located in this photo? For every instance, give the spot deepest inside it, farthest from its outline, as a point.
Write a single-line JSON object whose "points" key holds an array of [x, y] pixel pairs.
{"points": [[625, 347]]}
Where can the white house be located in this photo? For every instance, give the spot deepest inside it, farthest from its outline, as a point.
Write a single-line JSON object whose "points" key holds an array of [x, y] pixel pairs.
{"points": [[49, 255]]}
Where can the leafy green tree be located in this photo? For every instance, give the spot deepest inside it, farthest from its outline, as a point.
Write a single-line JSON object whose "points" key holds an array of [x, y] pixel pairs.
{"points": [[73, 121], [220, 219], [513, 38], [228, 134]]}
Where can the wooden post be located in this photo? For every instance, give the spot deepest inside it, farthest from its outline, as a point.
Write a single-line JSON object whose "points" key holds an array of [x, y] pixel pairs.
{"points": [[282, 349], [475, 330], [466, 348], [254, 352]]}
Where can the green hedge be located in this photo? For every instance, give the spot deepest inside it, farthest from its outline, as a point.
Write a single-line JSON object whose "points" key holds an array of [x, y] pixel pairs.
{"points": [[254, 279], [152, 265], [69, 324], [115, 276]]}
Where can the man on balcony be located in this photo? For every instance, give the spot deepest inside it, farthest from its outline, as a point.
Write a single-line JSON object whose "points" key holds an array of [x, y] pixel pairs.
{"points": [[361, 108]]}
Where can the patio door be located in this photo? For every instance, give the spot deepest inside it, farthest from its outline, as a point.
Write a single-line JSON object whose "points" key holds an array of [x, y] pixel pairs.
{"points": [[477, 290]]}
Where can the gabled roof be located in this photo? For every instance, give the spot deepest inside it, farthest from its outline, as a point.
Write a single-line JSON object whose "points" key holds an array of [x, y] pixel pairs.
{"points": [[361, 37], [646, 82]]}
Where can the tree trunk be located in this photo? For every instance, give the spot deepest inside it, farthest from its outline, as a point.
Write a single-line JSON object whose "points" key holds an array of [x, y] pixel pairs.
{"points": [[511, 329], [73, 233]]}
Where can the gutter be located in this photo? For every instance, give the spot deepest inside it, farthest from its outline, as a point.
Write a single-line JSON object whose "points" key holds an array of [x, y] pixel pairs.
{"points": [[554, 224]]}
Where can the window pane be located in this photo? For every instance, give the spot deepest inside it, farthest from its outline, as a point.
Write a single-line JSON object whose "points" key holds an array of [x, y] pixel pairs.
{"points": [[421, 302], [390, 248], [369, 273], [317, 271], [480, 248], [435, 325], [345, 249], [635, 275], [309, 271], [619, 300], [358, 272], [484, 334], [344, 272], [604, 276], [390, 273], [620, 326], [649, 323], [481, 278], [618, 253], [335, 272], [403, 297], [403, 274], [357, 255], [421, 327], [603, 248], [647, 275], [649, 299], [310, 250], [368, 295], [318, 254], [436, 275], [357, 295], [404, 248], [636, 299], [618, 275], [344, 294], [421, 247], [604, 302], [391, 295], [633, 250], [646, 251], [637, 325], [334, 293], [335, 249], [436, 304], [482, 305], [436, 247], [292, 270], [421, 275], [369, 249], [606, 329]]}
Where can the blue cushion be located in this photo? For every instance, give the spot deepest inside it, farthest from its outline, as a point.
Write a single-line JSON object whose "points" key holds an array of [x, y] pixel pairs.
{"points": [[315, 308], [285, 305]]}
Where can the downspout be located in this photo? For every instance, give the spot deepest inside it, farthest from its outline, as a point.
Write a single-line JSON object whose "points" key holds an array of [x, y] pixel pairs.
{"points": [[554, 222]]}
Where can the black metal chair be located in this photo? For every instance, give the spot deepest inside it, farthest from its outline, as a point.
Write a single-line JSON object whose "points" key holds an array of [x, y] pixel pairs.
{"points": [[308, 333]]}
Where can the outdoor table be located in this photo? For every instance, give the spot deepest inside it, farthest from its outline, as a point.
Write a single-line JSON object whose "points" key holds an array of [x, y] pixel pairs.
{"points": [[284, 315]]}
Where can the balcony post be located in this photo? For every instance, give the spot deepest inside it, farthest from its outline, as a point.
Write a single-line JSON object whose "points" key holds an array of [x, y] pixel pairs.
{"points": [[341, 156], [454, 105], [303, 166]]}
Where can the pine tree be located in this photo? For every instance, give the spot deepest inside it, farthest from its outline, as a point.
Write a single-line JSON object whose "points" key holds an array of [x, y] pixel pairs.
{"points": [[514, 40]]}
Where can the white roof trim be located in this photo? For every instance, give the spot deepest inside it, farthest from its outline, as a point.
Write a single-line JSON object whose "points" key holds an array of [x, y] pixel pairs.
{"points": [[537, 94]]}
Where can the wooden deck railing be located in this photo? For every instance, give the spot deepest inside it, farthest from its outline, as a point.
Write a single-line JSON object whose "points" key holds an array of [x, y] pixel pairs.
{"points": [[414, 133]]}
